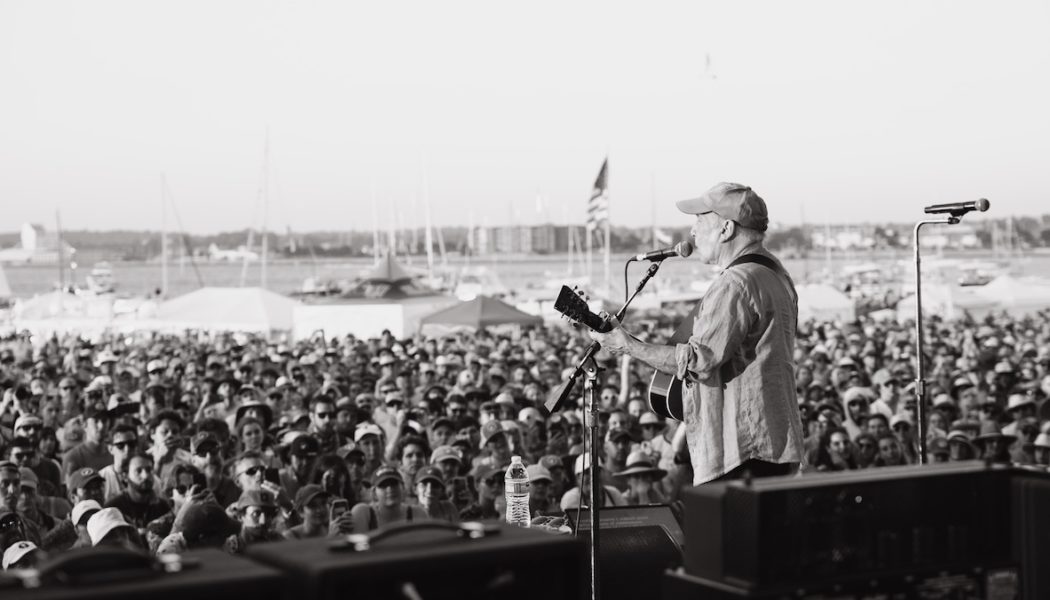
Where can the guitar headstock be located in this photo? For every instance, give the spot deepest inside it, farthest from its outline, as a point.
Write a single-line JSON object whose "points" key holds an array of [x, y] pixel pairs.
{"points": [[572, 304]]}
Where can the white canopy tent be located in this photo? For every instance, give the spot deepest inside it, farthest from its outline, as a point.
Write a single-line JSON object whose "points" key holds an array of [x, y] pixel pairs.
{"points": [[248, 309], [825, 303]]}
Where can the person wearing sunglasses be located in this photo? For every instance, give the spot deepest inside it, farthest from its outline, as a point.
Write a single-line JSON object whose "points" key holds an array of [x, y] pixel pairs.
{"points": [[124, 442], [322, 423], [206, 451]]}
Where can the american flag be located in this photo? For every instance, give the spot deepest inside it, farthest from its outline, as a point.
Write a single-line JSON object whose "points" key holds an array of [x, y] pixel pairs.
{"points": [[598, 205]]}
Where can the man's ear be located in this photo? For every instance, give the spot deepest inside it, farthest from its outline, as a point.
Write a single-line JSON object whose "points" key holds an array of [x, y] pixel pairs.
{"points": [[728, 230]]}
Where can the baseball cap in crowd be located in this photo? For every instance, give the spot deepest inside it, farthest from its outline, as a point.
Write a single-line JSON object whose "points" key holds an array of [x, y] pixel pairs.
{"points": [[28, 421], [206, 519], [104, 521], [442, 422], [203, 440], [305, 445], [551, 462], [385, 473], [938, 446], [29, 478], [445, 453], [490, 430], [263, 498], [485, 472], [1042, 440], [17, 552], [538, 473], [83, 510], [583, 463], [154, 366], [366, 429], [80, 478], [282, 381], [308, 493], [615, 435], [1003, 367], [858, 393], [505, 398], [731, 201], [943, 400], [429, 473]]}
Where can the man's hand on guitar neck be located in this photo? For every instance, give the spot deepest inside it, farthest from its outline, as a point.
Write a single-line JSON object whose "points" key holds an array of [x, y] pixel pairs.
{"points": [[617, 341]]}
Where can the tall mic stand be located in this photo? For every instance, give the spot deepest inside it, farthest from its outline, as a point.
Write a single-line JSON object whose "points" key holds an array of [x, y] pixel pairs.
{"points": [[920, 359], [589, 367]]}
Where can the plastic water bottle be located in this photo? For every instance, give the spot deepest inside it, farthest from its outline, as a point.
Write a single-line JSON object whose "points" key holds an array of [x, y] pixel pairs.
{"points": [[517, 493]]}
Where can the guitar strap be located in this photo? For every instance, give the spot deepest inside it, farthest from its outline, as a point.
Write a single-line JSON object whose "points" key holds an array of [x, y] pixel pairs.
{"points": [[766, 262]]}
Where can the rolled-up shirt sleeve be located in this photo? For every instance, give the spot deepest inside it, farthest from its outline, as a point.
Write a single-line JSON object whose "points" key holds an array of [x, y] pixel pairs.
{"points": [[726, 316]]}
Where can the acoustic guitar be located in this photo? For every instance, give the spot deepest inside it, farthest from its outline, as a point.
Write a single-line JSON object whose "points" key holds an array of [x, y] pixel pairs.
{"points": [[665, 391]]}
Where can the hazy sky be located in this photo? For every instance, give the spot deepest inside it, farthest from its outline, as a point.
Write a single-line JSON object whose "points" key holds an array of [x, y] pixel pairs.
{"points": [[834, 111]]}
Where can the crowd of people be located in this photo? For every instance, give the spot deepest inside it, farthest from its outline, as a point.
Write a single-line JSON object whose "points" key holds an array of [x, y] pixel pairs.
{"points": [[169, 443]]}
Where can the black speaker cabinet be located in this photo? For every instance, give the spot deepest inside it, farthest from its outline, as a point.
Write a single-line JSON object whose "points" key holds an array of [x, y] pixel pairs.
{"points": [[206, 575], [433, 561], [822, 526], [974, 583]]}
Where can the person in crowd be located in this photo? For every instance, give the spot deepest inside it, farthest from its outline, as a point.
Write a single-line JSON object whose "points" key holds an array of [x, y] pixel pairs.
{"points": [[92, 451], [21, 555], [11, 501], [140, 503], [257, 512], [580, 495], [312, 505], [541, 502], [107, 527], [430, 495], [302, 454], [206, 450], [835, 452], [643, 480], [168, 444], [388, 503]]}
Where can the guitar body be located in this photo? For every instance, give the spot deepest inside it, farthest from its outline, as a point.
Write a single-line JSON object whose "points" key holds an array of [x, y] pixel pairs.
{"points": [[665, 391]]}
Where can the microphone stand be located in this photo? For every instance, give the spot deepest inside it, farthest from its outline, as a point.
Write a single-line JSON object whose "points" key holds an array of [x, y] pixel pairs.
{"points": [[590, 368], [920, 359]]}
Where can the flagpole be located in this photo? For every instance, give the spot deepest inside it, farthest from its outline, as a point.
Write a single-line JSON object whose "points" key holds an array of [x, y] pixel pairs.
{"points": [[608, 209]]}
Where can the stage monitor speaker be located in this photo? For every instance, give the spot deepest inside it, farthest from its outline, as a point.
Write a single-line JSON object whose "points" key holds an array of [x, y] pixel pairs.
{"points": [[116, 574], [433, 560], [973, 583], [822, 526], [636, 545], [1031, 525]]}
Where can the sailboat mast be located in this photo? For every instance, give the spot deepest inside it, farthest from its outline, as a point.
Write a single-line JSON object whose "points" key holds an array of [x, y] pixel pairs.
{"points": [[375, 222], [428, 237], [163, 236], [265, 209], [61, 253]]}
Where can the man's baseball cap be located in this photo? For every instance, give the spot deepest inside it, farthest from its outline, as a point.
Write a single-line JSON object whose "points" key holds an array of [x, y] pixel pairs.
{"points": [[202, 440], [103, 522], [615, 435], [83, 510], [445, 453], [28, 420], [731, 201], [429, 473], [308, 493], [383, 474], [366, 429], [263, 498], [305, 445], [551, 462], [15, 552], [81, 477], [490, 430], [29, 478], [538, 473]]}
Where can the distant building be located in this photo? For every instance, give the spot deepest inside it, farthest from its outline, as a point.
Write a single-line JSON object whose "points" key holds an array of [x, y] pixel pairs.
{"points": [[520, 239], [37, 247]]}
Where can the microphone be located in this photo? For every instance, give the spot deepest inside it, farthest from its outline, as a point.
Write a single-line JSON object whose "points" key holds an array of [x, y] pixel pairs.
{"points": [[958, 209], [682, 249]]}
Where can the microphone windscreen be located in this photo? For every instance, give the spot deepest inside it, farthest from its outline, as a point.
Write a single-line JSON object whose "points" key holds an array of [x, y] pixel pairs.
{"points": [[685, 248], [983, 204]]}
